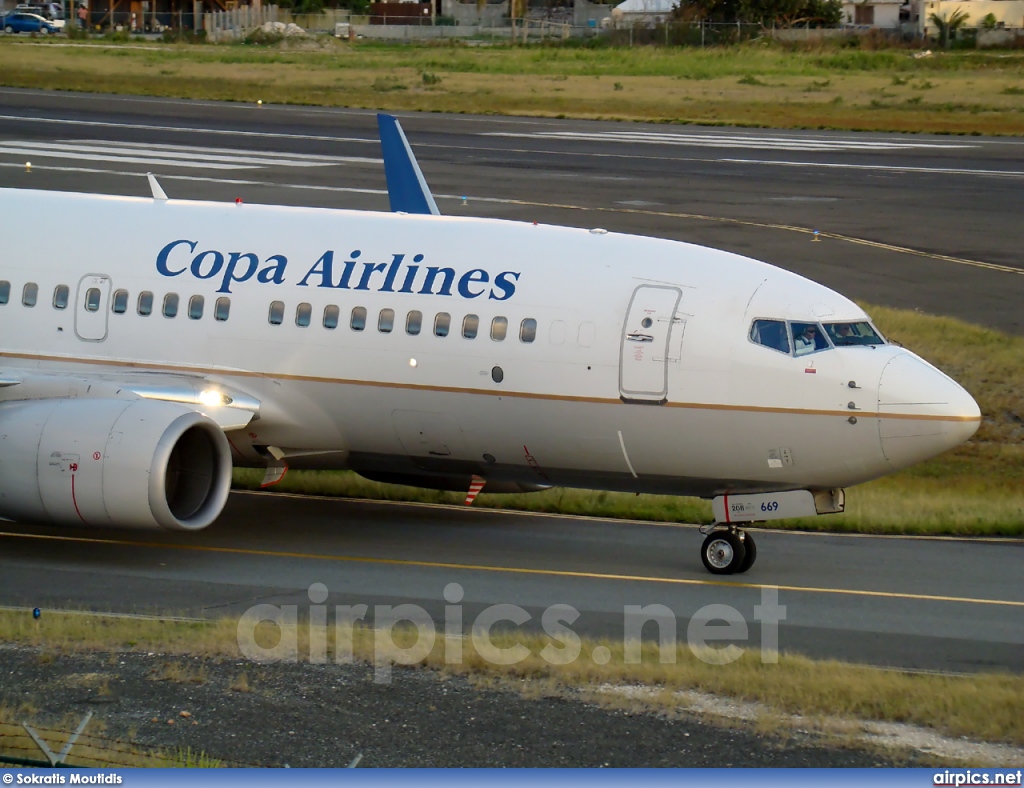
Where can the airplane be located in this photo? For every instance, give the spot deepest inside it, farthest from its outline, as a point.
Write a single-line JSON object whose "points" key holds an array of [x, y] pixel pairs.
{"points": [[443, 352]]}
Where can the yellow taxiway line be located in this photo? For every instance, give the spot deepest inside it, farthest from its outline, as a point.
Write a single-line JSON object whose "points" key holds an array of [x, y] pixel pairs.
{"points": [[511, 569]]}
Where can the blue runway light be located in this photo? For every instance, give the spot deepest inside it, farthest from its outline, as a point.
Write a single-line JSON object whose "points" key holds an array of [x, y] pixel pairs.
{"points": [[36, 613]]}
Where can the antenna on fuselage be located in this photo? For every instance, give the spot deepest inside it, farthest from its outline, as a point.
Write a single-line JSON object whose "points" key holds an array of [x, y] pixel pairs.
{"points": [[154, 185], [407, 189]]}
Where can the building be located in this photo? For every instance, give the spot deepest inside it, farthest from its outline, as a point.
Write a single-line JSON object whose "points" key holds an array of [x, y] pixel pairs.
{"points": [[884, 14]]}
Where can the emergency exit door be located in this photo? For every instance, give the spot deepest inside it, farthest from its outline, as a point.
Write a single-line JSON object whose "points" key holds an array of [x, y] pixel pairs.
{"points": [[92, 305], [646, 335]]}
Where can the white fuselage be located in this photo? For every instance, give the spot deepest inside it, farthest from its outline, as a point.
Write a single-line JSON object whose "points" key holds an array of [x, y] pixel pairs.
{"points": [[641, 375]]}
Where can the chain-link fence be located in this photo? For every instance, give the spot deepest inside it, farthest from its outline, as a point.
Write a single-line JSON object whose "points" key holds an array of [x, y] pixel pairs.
{"points": [[242, 21], [694, 34], [48, 746]]}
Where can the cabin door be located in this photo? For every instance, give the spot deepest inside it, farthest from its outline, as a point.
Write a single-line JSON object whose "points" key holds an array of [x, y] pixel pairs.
{"points": [[92, 305], [646, 337]]}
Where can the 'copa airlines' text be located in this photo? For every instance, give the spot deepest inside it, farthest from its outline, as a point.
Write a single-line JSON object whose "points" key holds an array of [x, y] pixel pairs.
{"points": [[394, 276]]}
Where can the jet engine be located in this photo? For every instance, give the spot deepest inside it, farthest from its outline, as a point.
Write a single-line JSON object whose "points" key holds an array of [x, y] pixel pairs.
{"points": [[133, 463]]}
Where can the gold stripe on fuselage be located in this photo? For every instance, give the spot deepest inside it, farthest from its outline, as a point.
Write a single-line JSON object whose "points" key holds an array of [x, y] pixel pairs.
{"points": [[237, 373]]}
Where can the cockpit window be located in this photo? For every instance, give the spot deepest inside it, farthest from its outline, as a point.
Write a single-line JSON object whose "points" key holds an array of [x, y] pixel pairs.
{"points": [[807, 338], [853, 334], [770, 333]]}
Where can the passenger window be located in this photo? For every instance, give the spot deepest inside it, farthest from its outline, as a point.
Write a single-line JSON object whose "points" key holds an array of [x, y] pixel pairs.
{"points": [[556, 334], [120, 303], [586, 335], [442, 323], [30, 294], [528, 330], [145, 303], [358, 321], [195, 307], [60, 297], [499, 328], [770, 333], [221, 309], [331, 313], [276, 315], [92, 299], [5, 292], [470, 326], [171, 305], [807, 338], [413, 323], [386, 321], [303, 315]]}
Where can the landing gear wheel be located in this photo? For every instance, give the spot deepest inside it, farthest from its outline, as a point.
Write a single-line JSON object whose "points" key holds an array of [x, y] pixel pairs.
{"points": [[723, 553], [751, 556]]}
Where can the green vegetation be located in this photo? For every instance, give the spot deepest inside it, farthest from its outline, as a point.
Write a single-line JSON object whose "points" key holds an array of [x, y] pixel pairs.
{"points": [[975, 489], [985, 706], [780, 13], [758, 83], [93, 749]]}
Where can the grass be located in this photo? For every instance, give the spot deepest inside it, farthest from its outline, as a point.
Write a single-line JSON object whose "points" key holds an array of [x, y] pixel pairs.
{"points": [[755, 84], [177, 673], [985, 706], [974, 490], [92, 749]]}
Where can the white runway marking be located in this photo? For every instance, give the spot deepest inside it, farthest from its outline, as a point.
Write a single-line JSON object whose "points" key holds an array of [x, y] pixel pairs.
{"points": [[182, 130], [880, 167], [717, 140], [172, 155]]}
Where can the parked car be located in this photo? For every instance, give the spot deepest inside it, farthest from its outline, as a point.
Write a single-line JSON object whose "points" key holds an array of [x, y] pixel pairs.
{"points": [[22, 22], [51, 12]]}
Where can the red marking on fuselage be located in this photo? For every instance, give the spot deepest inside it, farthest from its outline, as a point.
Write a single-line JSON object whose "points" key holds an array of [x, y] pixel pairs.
{"points": [[74, 500]]}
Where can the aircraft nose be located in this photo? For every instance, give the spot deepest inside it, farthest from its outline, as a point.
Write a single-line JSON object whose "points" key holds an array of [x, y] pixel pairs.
{"points": [[921, 411]]}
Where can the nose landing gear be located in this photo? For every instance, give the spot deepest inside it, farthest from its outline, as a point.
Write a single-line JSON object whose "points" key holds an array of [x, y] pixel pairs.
{"points": [[728, 550]]}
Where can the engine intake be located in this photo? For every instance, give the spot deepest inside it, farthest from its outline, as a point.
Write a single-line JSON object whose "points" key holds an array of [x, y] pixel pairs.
{"points": [[128, 463]]}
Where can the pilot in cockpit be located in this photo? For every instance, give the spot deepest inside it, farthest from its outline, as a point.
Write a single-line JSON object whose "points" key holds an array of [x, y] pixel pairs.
{"points": [[805, 338]]}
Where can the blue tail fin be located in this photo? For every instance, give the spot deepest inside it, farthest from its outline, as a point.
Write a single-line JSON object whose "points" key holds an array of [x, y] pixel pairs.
{"points": [[407, 189]]}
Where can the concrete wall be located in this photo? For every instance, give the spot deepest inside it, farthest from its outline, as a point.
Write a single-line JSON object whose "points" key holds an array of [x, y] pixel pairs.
{"points": [[415, 32], [999, 38], [811, 34], [1009, 12], [470, 14], [587, 14]]}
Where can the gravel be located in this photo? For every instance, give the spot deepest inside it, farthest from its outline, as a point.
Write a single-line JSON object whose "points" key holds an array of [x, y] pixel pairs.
{"points": [[325, 715]]}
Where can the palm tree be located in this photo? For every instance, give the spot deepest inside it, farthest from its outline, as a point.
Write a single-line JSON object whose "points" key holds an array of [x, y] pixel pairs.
{"points": [[949, 25]]}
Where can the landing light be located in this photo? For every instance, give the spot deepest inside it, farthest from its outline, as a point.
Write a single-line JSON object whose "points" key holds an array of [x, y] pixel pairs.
{"points": [[412, 363], [212, 398]]}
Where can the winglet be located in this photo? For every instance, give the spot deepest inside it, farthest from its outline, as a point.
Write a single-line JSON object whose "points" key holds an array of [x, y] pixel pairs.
{"points": [[407, 190], [154, 185]]}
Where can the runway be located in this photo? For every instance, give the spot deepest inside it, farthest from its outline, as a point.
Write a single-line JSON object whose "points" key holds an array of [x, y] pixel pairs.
{"points": [[950, 605], [929, 223], [913, 221]]}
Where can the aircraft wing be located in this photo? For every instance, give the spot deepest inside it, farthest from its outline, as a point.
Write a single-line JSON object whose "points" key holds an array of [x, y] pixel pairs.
{"points": [[229, 407]]}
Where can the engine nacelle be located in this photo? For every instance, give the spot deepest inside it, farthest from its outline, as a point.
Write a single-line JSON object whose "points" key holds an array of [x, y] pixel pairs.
{"points": [[121, 462]]}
